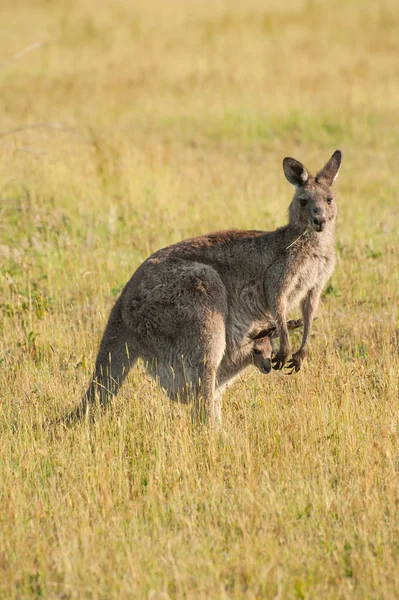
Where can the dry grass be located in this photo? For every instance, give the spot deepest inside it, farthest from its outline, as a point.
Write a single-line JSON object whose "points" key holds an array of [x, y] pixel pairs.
{"points": [[172, 120]]}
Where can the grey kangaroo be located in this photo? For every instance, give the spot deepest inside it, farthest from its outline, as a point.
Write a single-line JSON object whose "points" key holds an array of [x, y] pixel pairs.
{"points": [[190, 308]]}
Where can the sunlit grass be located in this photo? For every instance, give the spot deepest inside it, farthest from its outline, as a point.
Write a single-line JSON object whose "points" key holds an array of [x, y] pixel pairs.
{"points": [[154, 122]]}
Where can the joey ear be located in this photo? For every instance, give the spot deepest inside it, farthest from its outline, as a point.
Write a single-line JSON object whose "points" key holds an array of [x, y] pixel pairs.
{"points": [[270, 332], [295, 172], [331, 169], [273, 335]]}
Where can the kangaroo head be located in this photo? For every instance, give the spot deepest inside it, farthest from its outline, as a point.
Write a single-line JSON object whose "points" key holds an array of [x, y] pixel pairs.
{"points": [[313, 205], [262, 354]]}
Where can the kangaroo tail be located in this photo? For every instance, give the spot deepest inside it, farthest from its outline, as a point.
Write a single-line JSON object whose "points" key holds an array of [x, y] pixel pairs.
{"points": [[115, 358]]}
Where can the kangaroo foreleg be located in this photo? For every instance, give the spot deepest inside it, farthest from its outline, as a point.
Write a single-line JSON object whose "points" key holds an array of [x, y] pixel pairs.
{"points": [[279, 314], [309, 307]]}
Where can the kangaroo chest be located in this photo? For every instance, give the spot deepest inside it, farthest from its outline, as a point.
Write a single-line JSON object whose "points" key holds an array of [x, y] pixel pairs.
{"points": [[312, 274], [250, 304]]}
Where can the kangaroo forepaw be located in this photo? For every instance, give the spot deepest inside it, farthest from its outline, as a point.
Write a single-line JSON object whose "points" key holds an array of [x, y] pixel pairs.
{"points": [[279, 360], [296, 362]]}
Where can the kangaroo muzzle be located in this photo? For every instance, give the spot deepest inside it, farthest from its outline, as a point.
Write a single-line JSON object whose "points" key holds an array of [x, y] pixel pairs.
{"points": [[318, 223], [266, 366]]}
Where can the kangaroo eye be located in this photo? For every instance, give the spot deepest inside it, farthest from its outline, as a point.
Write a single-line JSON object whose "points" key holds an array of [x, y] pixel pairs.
{"points": [[256, 351], [303, 201], [329, 200]]}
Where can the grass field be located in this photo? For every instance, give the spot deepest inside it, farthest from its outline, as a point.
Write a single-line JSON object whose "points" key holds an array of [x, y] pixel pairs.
{"points": [[138, 124]]}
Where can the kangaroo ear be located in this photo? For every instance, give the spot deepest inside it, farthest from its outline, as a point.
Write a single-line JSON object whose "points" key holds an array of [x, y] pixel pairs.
{"points": [[295, 172], [330, 171]]}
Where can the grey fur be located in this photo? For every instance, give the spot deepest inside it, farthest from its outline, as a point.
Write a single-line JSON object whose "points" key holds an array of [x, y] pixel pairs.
{"points": [[190, 309]]}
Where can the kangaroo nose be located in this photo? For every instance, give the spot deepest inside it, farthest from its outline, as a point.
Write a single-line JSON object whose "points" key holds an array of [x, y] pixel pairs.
{"points": [[318, 223]]}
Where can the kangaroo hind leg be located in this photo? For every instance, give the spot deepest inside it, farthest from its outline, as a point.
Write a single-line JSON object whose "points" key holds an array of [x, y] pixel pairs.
{"points": [[208, 403]]}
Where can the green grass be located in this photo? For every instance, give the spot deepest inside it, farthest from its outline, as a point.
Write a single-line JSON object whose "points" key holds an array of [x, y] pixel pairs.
{"points": [[160, 121]]}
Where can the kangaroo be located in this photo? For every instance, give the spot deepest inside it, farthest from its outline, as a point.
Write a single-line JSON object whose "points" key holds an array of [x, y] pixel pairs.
{"points": [[261, 355], [188, 309]]}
